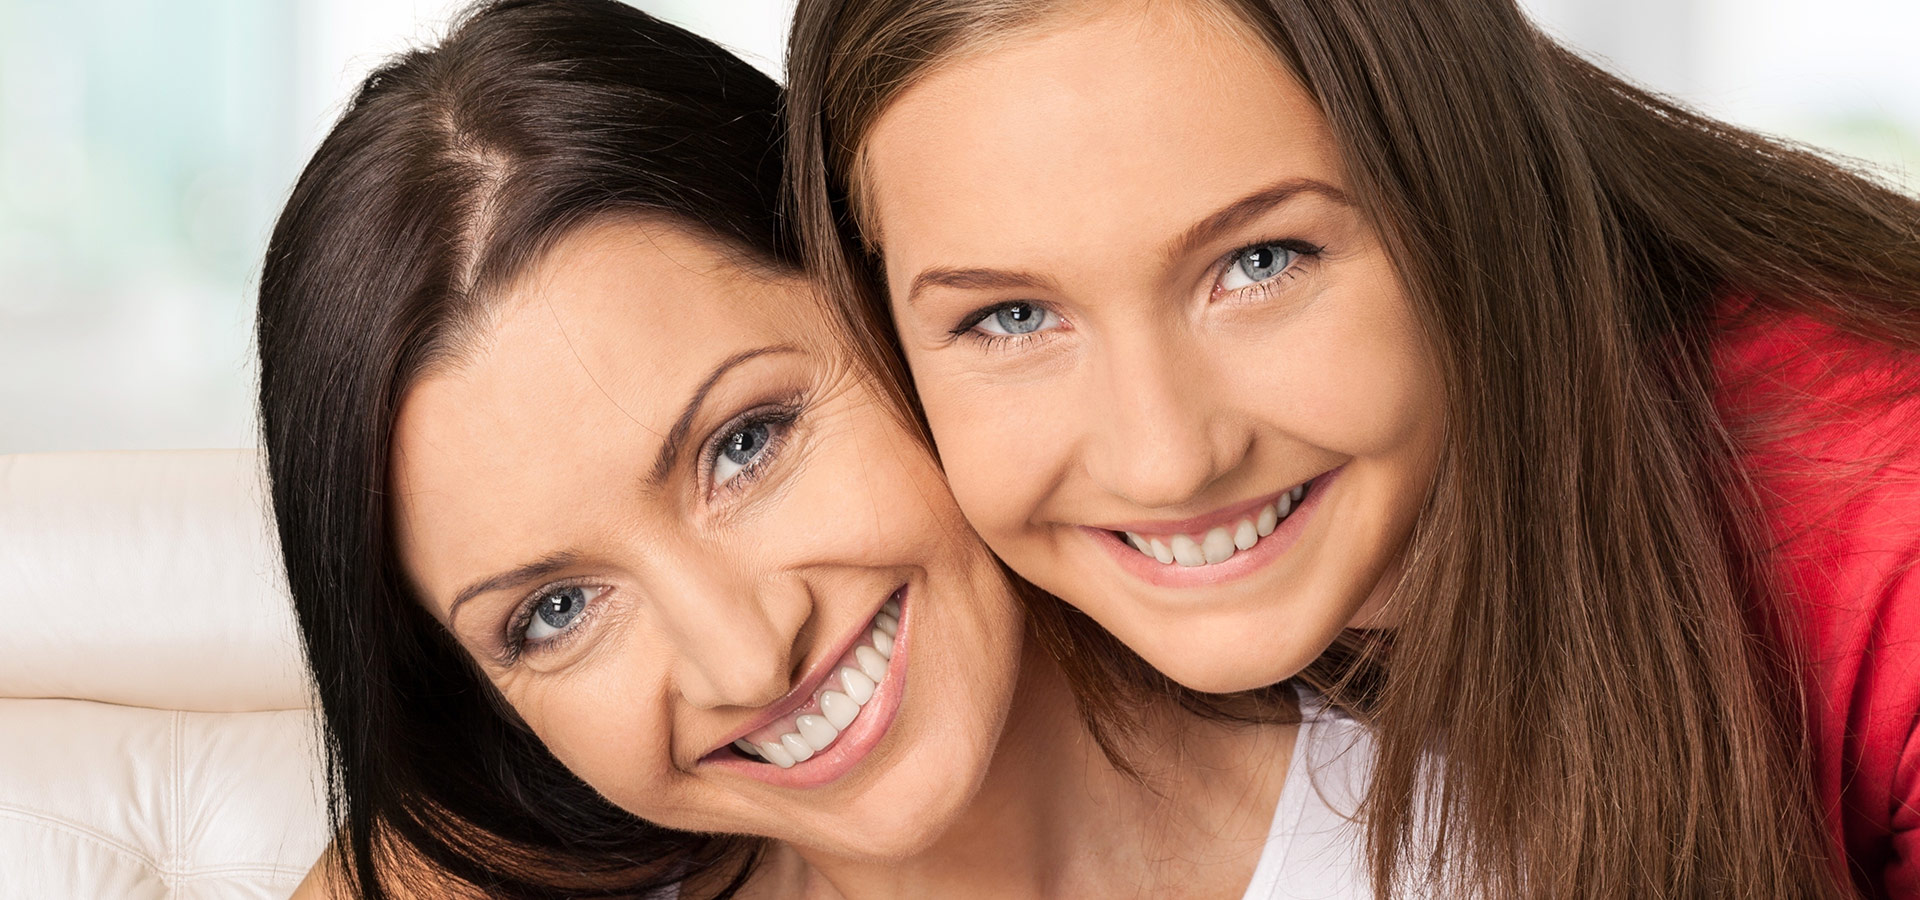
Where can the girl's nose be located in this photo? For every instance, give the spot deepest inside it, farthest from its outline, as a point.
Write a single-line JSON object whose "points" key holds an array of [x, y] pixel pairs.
{"points": [[1160, 433]]}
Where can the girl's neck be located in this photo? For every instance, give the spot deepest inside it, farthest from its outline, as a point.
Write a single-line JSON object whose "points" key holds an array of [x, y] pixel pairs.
{"points": [[1054, 817]]}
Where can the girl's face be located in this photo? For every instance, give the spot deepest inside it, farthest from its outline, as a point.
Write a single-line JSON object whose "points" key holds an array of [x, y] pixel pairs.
{"points": [[699, 557], [1172, 375]]}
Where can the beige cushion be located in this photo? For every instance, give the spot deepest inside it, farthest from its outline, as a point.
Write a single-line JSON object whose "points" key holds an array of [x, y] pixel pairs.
{"points": [[143, 589], [147, 579]]}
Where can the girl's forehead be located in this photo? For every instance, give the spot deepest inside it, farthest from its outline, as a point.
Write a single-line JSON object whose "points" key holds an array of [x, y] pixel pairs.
{"points": [[1073, 128]]}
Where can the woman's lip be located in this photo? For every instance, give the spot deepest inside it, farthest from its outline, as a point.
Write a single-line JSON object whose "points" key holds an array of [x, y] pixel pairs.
{"points": [[853, 744], [1243, 563], [817, 674], [1225, 516]]}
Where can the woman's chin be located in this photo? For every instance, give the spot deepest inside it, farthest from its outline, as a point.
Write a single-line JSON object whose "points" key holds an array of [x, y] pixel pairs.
{"points": [[875, 832], [907, 810]]}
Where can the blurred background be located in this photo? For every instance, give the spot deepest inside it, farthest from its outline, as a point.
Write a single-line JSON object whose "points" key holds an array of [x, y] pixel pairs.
{"points": [[146, 145]]}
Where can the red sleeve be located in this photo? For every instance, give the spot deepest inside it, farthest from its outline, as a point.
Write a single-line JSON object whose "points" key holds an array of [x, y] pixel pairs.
{"points": [[1831, 428]]}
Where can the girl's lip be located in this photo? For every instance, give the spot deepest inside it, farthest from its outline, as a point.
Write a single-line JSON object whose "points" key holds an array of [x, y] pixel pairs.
{"points": [[1224, 516], [1243, 563], [853, 744]]}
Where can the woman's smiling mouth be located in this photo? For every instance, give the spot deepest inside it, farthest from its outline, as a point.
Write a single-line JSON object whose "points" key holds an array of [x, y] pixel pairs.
{"points": [[832, 718]]}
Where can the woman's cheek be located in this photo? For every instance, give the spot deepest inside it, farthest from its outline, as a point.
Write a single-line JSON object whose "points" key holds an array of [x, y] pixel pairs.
{"points": [[601, 715], [869, 497]]}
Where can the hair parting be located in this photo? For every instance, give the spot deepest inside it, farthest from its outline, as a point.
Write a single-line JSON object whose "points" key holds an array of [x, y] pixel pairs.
{"points": [[452, 170]]}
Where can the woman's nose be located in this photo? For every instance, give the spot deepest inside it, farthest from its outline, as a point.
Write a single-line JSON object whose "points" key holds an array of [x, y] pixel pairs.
{"points": [[736, 639], [1160, 434]]}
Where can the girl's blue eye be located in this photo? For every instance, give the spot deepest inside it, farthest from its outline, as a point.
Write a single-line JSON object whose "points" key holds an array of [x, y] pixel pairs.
{"points": [[1256, 264], [738, 449], [556, 611], [1014, 319]]}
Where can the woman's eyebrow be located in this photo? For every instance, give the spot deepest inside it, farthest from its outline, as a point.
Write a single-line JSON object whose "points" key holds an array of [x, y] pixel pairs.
{"points": [[537, 569], [672, 447], [1252, 206]]}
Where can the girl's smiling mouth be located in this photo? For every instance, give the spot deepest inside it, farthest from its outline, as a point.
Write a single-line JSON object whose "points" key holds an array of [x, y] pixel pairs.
{"points": [[833, 717], [1218, 547]]}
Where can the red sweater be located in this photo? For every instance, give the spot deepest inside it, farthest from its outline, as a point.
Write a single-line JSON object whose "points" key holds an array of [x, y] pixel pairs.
{"points": [[1833, 441]]}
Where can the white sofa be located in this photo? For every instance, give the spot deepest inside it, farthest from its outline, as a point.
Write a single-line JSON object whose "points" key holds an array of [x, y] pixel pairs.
{"points": [[156, 739]]}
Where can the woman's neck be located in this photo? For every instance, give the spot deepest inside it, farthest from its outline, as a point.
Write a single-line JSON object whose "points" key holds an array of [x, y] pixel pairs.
{"points": [[1055, 818]]}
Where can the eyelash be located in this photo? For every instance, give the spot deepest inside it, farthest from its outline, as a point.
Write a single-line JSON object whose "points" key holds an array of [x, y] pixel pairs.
{"points": [[965, 330], [516, 645], [1257, 290], [781, 416]]}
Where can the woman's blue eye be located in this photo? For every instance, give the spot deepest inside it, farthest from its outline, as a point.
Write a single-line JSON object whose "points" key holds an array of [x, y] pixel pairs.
{"points": [[1015, 319], [738, 450], [1256, 264], [555, 611]]}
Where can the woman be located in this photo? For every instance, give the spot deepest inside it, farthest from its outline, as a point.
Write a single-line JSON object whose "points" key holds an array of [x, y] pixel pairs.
{"points": [[1264, 330], [617, 575]]}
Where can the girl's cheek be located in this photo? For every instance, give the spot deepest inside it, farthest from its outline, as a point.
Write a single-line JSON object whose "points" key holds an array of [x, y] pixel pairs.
{"points": [[1358, 383], [996, 465]]}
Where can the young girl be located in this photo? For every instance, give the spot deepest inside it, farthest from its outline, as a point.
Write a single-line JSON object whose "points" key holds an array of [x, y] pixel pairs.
{"points": [[617, 576], [1551, 426]]}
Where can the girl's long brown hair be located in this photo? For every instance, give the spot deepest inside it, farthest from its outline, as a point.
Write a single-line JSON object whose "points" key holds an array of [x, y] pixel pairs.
{"points": [[1592, 690]]}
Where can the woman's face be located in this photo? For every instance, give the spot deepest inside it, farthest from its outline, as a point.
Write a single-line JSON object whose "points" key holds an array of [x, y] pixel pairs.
{"points": [[664, 515], [1172, 375]]}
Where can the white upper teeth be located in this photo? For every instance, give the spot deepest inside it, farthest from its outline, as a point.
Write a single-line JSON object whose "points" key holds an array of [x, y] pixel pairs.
{"points": [[858, 676], [872, 662], [858, 685], [1220, 543], [816, 731], [1244, 536], [776, 752], [838, 708], [1186, 551]]}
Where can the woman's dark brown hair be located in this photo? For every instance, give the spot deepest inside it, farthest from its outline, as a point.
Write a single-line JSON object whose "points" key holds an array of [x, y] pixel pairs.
{"points": [[1592, 690], [450, 172]]}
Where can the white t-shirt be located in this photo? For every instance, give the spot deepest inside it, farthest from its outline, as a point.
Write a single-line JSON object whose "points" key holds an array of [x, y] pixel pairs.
{"points": [[1315, 846]]}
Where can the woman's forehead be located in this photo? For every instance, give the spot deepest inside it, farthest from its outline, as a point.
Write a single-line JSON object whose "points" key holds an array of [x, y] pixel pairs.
{"points": [[575, 383]]}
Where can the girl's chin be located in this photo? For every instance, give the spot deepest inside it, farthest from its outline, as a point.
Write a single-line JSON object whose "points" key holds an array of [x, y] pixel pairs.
{"points": [[1232, 675], [1227, 650]]}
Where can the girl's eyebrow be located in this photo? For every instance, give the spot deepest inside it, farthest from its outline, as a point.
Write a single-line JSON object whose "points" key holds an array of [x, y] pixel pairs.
{"points": [[1226, 218], [1249, 207], [976, 279]]}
